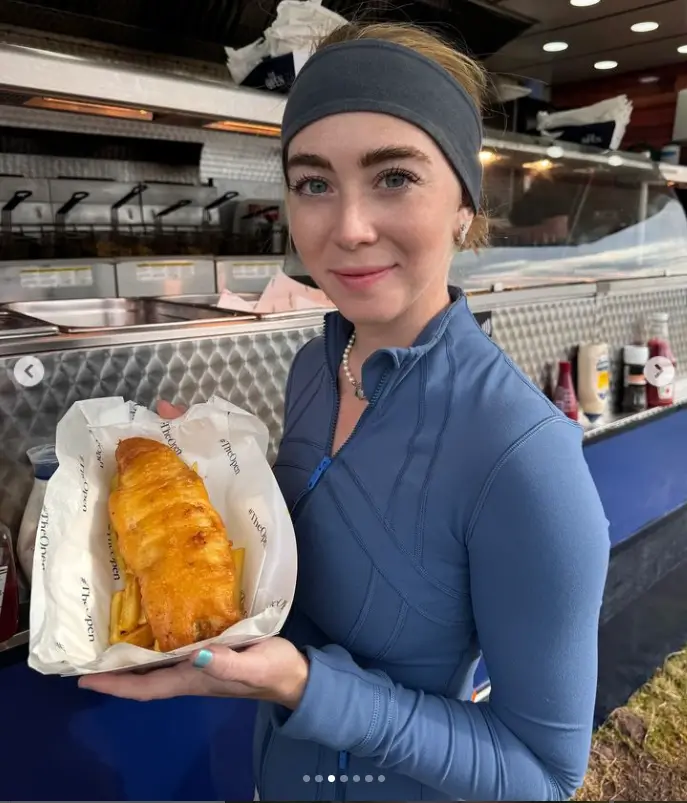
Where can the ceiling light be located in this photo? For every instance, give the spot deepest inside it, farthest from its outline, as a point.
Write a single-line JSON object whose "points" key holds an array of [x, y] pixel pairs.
{"points": [[83, 107], [649, 79], [644, 27], [555, 47], [555, 152], [605, 65], [581, 3], [615, 161], [682, 49], [237, 127], [487, 157], [540, 165]]}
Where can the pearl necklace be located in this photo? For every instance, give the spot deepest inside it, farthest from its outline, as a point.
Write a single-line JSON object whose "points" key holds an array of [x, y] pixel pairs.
{"points": [[357, 386]]}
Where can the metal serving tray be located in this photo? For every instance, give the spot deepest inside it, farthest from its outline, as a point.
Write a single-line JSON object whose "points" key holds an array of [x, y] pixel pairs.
{"points": [[13, 324], [209, 302], [133, 314]]}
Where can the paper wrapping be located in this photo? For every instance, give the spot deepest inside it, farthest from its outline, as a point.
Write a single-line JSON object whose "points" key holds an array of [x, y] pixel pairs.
{"points": [[74, 570]]}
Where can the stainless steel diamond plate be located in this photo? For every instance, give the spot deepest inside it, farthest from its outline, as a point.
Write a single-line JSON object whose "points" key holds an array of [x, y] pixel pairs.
{"points": [[537, 335], [248, 369], [623, 314]]}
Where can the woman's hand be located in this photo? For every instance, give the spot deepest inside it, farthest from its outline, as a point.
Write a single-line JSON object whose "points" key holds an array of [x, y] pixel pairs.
{"points": [[167, 410], [272, 670]]}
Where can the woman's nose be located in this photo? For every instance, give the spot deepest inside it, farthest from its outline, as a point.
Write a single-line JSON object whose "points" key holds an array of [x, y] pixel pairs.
{"points": [[354, 224]]}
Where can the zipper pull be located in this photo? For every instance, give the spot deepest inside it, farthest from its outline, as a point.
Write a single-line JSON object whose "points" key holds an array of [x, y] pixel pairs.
{"points": [[318, 472]]}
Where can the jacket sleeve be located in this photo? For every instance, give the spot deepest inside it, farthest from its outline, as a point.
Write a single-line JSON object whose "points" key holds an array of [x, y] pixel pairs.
{"points": [[538, 549]]}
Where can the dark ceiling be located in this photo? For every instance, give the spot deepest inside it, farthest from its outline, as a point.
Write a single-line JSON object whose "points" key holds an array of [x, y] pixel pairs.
{"points": [[200, 29], [593, 33]]}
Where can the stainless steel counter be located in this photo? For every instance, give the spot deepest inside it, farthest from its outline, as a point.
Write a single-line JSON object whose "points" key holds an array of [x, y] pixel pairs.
{"points": [[172, 331]]}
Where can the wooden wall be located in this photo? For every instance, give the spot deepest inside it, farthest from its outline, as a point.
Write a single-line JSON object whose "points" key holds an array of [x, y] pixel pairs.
{"points": [[654, 104]]}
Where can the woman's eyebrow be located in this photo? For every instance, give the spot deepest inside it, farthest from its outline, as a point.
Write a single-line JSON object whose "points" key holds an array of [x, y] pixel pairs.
{"points": [[392, 153], [308, 160]]}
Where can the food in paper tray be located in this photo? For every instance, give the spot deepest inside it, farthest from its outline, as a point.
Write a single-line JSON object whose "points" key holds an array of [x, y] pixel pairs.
{"points": [[182, 577]]}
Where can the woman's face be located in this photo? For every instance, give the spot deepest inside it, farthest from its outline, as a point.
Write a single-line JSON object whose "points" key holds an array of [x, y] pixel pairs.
{"points": [[374, 208]]}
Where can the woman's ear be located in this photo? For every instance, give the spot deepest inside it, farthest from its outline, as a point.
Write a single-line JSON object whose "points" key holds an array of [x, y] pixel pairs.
{"points": [[464, 220]]}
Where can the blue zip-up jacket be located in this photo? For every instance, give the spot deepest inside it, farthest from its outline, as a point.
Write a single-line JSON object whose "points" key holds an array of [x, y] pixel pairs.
{"points": [[459, 517]]}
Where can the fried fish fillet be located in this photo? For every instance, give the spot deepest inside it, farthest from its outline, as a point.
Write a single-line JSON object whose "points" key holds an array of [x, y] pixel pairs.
{"points": [[175, 544]]}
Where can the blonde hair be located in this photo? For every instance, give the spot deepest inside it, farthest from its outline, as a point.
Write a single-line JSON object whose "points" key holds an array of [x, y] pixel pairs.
{"points": [[469, 74]]}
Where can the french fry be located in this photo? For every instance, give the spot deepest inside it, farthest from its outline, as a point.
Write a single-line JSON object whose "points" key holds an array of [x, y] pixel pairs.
{"points": [[115, 612], [141, 636], [195, 466], [239, 560], [156, 645], [131, 605]]}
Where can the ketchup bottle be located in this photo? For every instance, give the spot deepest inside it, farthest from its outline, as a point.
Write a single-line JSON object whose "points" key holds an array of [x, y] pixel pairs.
{"points": [[659, 346], [564, 396], [9, 592]]}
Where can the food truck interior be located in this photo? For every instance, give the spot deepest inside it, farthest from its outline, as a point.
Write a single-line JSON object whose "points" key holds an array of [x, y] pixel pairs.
{"points": [[139, 187]]}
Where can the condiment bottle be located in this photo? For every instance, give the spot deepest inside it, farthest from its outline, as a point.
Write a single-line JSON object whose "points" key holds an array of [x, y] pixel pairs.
{"points": [[593, 379], [634, 381], [44, 463], [9, 596], [564, 396], [659, 346]]}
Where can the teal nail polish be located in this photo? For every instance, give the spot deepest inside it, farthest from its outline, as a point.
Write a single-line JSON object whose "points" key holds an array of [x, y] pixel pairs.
{"points": [[202, 659]]}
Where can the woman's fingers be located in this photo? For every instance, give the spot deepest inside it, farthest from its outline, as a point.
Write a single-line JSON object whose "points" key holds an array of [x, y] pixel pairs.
{"points": [[158, 684], [167, 410]]}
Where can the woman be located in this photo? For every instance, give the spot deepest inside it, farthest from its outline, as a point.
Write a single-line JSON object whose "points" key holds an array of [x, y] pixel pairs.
{"points": [[442, 504]]}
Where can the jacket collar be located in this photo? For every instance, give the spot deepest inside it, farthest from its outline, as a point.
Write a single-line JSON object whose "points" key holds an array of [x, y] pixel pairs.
{"points": [[385, 362]]}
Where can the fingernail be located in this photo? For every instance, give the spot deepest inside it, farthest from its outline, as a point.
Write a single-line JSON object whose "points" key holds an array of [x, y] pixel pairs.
{"points": [[202, 659]]}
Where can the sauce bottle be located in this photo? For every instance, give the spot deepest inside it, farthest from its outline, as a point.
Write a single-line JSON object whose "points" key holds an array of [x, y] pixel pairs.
{"points": [[564, 396], [9, 593], [634, 381], [659, 346], [593, 369]]}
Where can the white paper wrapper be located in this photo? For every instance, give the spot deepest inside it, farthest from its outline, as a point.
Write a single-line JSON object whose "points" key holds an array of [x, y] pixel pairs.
{"points": [[74, 571]]}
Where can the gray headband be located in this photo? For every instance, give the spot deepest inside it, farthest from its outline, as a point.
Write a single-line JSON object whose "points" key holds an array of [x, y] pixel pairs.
{"points": [[373, 75]]}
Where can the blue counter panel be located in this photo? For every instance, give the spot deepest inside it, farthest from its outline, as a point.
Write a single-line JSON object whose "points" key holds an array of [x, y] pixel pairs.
{"points": [[68, 744], [64, 743], [641, 473]]}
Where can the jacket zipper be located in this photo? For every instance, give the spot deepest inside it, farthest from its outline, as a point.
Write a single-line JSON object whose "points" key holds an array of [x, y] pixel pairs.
{"points": [[326, 461], [340, 792]]}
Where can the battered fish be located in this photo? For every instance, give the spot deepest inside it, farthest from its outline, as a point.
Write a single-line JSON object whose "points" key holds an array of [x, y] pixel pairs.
{"points": [[175, 544]]}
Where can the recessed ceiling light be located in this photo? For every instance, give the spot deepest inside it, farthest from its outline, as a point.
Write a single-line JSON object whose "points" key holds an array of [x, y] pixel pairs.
{"points": [[682, 49], [615, 161], [605, 65], [581, 3], [644, 27], [649, 79], [555, 47]]}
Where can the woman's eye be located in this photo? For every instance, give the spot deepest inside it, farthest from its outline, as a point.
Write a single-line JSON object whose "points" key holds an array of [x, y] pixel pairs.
{"points": [[394, 181], [313, 186]]}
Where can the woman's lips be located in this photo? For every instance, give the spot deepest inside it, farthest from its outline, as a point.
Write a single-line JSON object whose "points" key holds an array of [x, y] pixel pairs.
{"points": [[362, 279]]}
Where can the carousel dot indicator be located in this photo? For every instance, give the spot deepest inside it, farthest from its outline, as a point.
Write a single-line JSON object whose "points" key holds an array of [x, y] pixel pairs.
{"points": [[369, 778], [356, 778], [318, 779], [306, 778], [331, 778]]}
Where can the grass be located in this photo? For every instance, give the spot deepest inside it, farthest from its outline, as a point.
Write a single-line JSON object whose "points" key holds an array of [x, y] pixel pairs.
{"points": [[640, 753]]}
